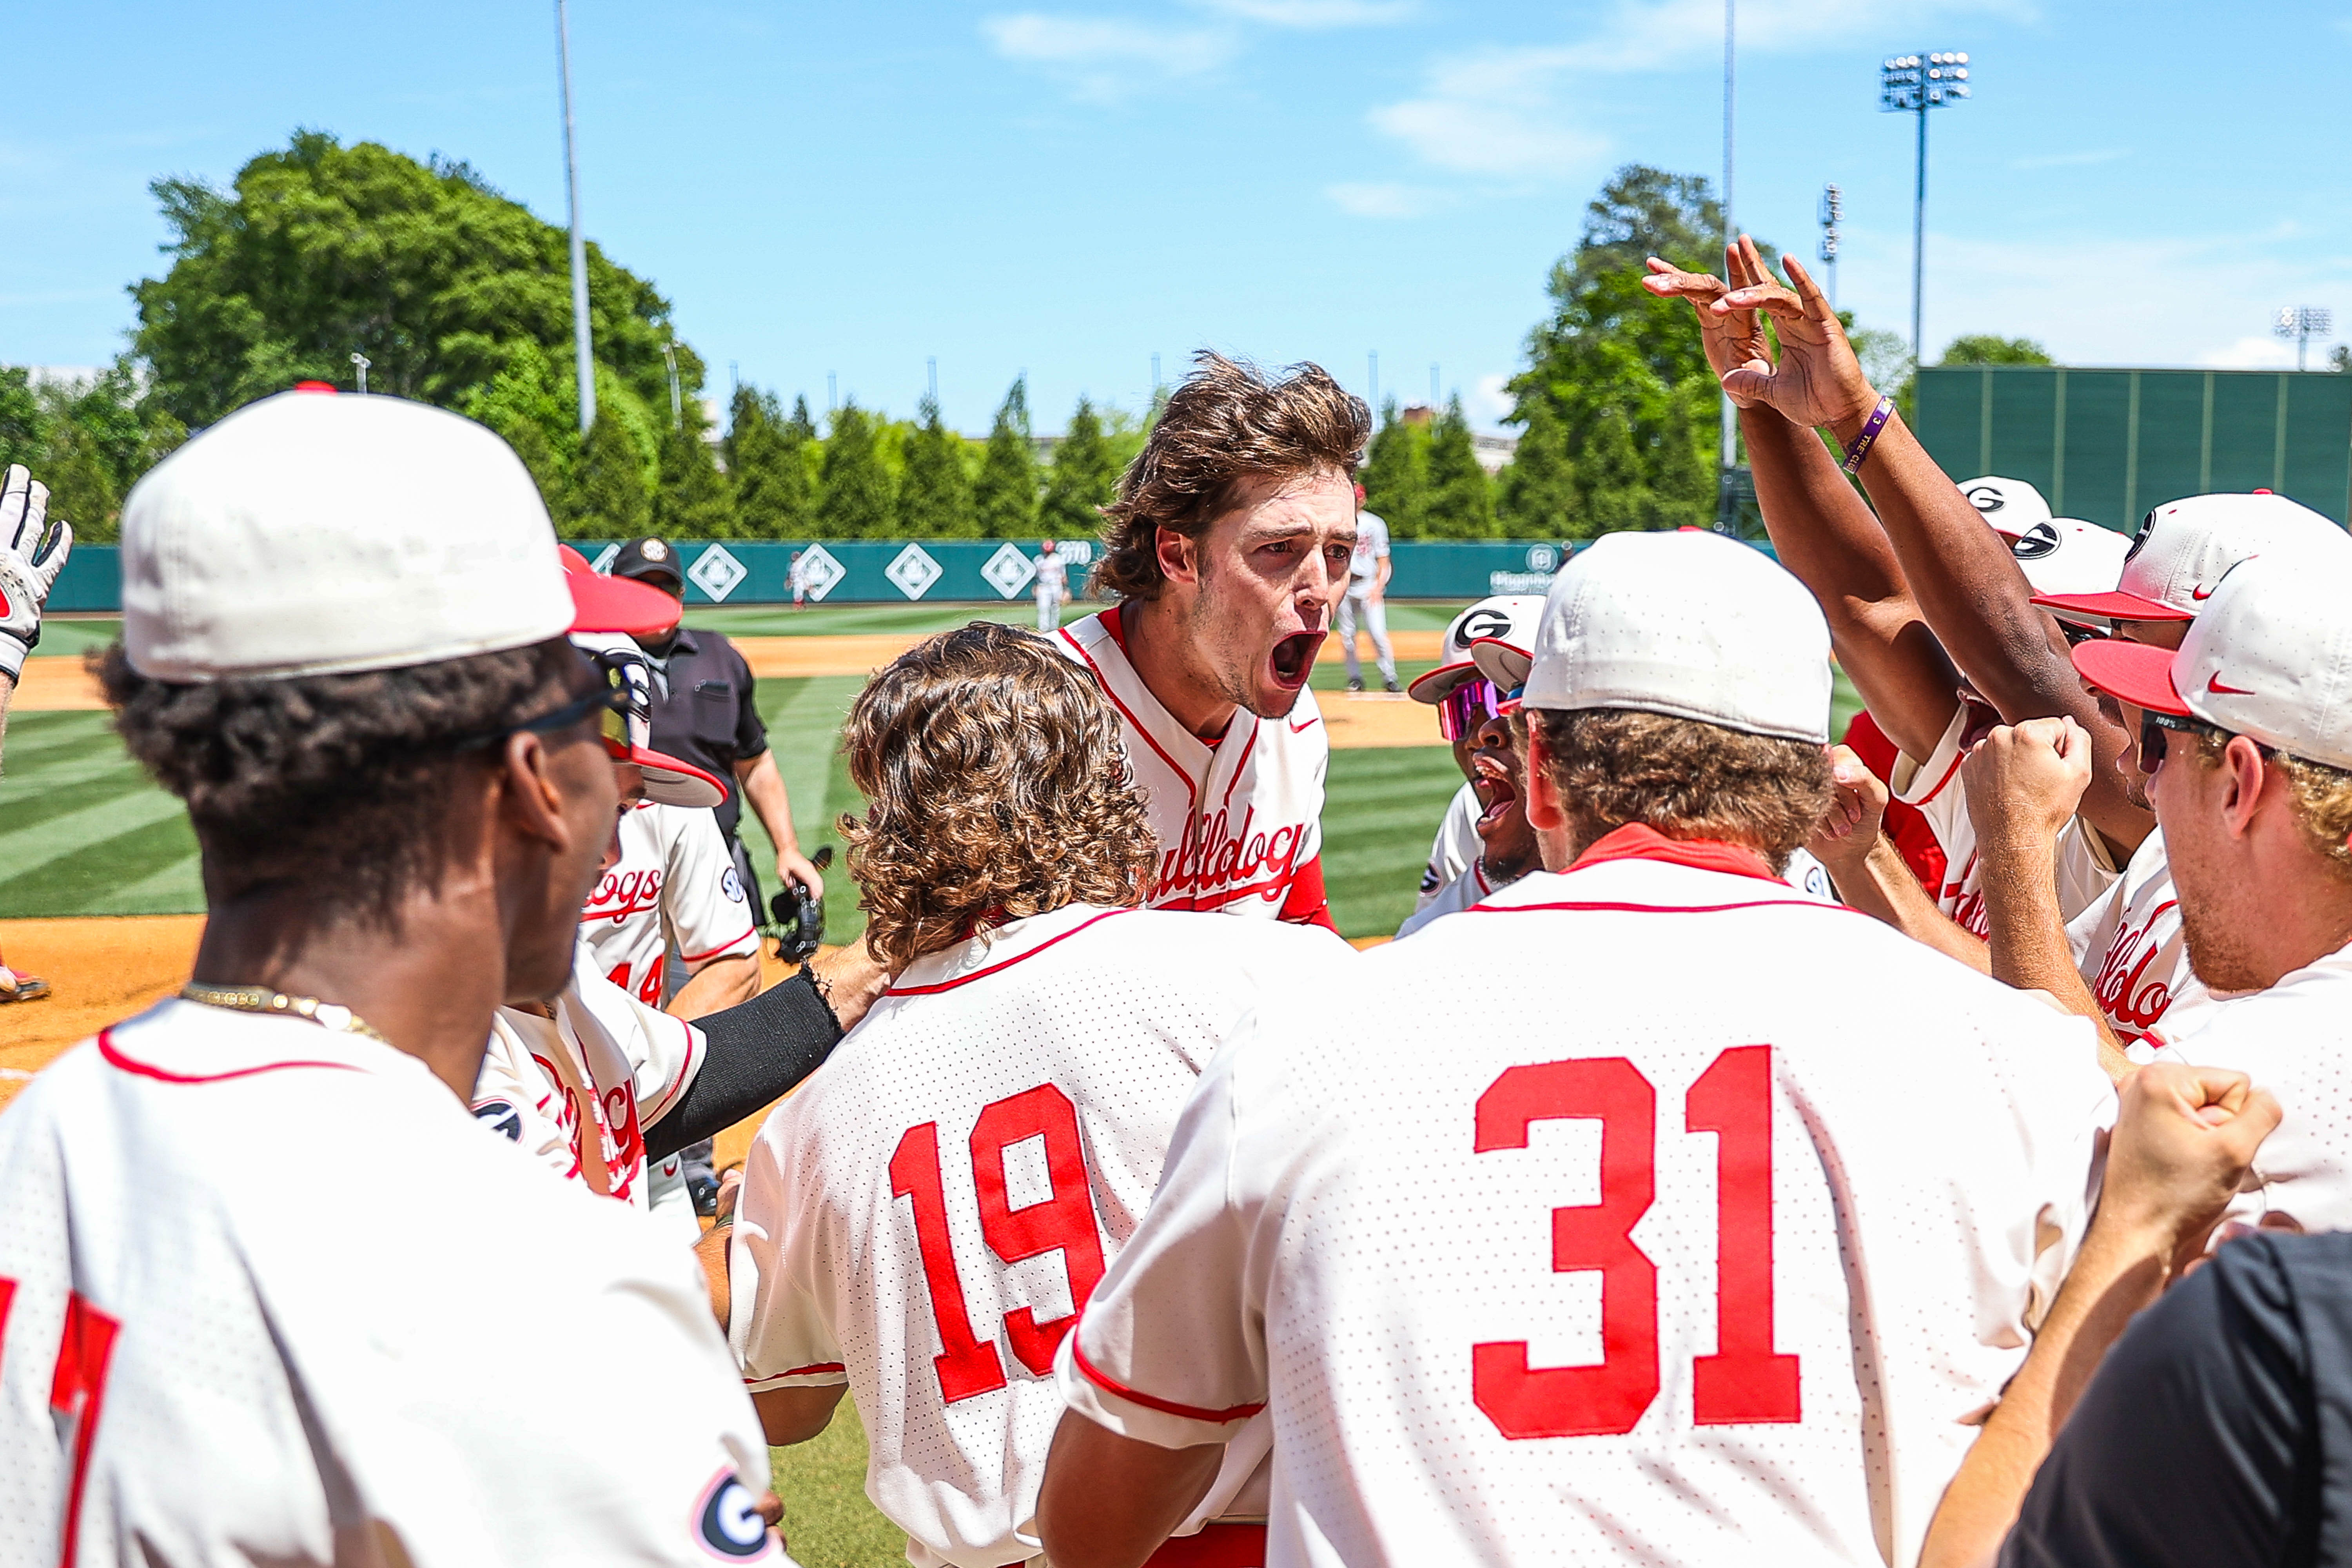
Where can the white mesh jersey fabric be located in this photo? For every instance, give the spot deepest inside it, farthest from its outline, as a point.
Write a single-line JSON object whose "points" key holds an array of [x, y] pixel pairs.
{"points": [[674, 882], [924, 1216], [1237, 821], [1639, 1249], [298, 1298], [2129, 947], [1454, 847]]}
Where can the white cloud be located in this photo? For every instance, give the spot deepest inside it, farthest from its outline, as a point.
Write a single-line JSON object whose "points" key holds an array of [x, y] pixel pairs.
{"points": [[1316, 15], [1489, 403], [1103, 59], [1387, 200], [2070, 160], [2258, 353], [1493, 114]]}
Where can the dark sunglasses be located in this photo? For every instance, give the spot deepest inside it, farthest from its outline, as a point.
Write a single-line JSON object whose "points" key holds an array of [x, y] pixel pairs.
{"points": [[2076, 634], [610, 701], [2152, 728]]}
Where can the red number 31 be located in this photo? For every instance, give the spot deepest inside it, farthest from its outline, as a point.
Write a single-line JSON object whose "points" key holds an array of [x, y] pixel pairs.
{"points": [[1743, 1381]]}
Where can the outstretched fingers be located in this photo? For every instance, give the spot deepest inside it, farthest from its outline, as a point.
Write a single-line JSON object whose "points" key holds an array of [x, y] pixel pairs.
{"points": [[1670, 282]]}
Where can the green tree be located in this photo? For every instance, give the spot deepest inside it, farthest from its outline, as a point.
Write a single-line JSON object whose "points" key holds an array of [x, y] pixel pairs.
{"points": [[610, 498], [692, 500], [773, 496], [935, 492], [87, 441], [1461, 502], [1537, 495], [1395, 475], [319, 249], [854, 499], [81, 488], [1004, 495], [1984, 348], [1617, 495], [539, 417], [1083, 475]]}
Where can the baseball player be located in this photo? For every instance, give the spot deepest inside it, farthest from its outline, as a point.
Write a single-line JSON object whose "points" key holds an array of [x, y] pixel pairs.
{"points": [[1227, 544], [1646, 1265], [1457, 843], [1052, 586], [1508, 847], [921, 1223], [30, 560], [1365, 602], [797, 578], [674, 882], [343, 647]]}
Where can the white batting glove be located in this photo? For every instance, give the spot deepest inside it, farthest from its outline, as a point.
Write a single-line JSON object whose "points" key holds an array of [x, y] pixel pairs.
{"points": [[27, 574]]}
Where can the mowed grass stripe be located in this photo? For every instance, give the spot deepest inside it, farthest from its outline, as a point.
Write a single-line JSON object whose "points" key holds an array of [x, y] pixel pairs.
{"points": [[1382, 808], [34, 736], [100, 876]]}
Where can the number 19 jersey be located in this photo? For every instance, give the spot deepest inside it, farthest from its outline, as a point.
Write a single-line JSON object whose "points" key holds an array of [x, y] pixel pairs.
{"points": [[1636, 1247], [925, 1217]]}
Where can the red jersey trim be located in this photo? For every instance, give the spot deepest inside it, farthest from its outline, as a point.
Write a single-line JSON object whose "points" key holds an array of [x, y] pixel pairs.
{"points": [[115, 1059], [1125, 711], [1165, 1406], [723, 947], [1638, 841], [1794, 902], [1003, 963], [817, 1370], [1950, 773], [687, 1067], [1247, 747]]}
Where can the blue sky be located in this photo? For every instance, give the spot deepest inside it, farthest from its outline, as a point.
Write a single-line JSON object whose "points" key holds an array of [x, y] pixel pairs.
{"points": [[1069, 189]]}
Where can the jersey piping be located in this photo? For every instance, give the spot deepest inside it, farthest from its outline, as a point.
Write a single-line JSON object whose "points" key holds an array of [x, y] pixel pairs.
{"points": [[1151, 1401], [1001, 964], [115, 1059]]}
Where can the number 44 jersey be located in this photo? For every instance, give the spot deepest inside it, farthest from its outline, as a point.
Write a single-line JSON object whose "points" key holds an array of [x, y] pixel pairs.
{"points": [[1628, 1240], [925, 1217]]}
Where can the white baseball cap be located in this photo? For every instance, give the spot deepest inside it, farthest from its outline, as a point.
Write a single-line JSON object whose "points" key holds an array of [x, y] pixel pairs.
{"points": [[2011, 506], [1511, 617], [2065, 555], [668, 781], [2270, 657], [2185, 547], [1687, 623], [311, 533]]}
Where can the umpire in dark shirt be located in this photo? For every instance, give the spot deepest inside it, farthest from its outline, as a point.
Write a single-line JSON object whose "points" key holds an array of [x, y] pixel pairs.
{"points": [[704, 712]]}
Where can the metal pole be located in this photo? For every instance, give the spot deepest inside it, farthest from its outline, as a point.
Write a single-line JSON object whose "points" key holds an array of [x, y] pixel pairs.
{"points": [[584, 354], [1376, 382], [1155, 375], [931, 372], [1433, 391], [677, 409], [1919, 240], [832, 393], [1727, 450]]}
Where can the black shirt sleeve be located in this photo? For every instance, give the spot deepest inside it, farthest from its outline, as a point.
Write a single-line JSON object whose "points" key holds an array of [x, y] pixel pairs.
{"points": [[756, 1051], [751, 729], [2196, 1443]]}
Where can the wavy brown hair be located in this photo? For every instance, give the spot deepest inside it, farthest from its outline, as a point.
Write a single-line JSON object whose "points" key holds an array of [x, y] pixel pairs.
{"points": [[1226, 424], [996, 786], [1683, 778]]}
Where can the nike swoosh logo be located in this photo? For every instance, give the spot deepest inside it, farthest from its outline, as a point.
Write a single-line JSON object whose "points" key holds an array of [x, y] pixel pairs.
{"points": [[2213, 684], [2201, 592], [1301, 729]]}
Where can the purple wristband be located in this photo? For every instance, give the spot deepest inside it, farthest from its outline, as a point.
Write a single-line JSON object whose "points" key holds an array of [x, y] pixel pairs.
{"points": [[1859, 447]]}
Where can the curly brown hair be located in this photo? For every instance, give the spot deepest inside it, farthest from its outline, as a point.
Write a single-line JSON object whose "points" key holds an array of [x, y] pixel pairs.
{"points": [[1225, 426], [996, 786], [331, 784], [1685, 778]]}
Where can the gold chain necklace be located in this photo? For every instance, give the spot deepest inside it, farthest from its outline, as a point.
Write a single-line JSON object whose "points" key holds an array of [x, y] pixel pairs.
{"points": [[260, 999]]}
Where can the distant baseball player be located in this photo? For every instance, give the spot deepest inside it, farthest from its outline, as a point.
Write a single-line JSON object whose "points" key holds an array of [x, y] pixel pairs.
{"points": [[1227, 544], [343, 647], [797, 578], [1622, 1260], [1365, 602], [922, 1222], [33, 551], [1449, 687], [1052, 585]]}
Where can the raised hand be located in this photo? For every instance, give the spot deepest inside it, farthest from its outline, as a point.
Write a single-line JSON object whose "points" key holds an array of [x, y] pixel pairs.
{"points": [[26, 572], [1849, 829], [2025, 780], [1817, 382], [1731, 338]]}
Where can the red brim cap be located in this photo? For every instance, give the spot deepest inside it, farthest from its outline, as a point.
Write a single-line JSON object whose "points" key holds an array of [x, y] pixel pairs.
{"points": [[2114, 606], [2134, 672], [672, 781], [618, 605], [1433, 686]]}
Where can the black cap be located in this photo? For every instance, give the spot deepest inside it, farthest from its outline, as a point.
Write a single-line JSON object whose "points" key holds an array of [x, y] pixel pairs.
{"points": [[647, 559]]}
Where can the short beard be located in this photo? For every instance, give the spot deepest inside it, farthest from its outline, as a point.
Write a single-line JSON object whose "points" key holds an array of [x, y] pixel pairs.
{"points": [[1235, 690], [2218, 953]]}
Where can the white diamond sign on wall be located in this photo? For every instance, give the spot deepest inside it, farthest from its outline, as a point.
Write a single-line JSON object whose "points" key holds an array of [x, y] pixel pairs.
{"points": [[717, 573], [604, 561], [821, 571], [912, 572], [1008, 571]]}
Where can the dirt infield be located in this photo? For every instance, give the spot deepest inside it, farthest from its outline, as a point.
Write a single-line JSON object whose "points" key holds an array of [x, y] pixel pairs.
{"points": [[102, 971]]}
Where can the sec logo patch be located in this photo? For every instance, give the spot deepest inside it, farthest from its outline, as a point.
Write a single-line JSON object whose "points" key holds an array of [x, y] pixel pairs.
{"points": [[727, 1521], [501, 1118], [732, 886]]}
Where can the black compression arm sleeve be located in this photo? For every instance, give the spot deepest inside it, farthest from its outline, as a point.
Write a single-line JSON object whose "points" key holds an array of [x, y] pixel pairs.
{"points": [[756, 1051]]}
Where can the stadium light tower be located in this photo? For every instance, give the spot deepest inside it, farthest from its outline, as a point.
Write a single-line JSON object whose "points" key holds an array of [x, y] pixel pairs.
{"points": [[582, 356], [1832, 213], [2303, 324], [1728, 452], [1914, 84]]}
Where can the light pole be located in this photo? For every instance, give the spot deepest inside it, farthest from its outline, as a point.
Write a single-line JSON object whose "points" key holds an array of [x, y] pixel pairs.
{"points": [[676, 408], [1727, 452], [1832, 213], [583, 356], [932, 373], [1373, 357], [1914, 84], [363, 362], [2300, 322]]}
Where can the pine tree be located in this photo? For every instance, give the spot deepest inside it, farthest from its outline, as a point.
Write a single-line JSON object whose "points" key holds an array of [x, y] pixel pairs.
{"points": [[935, 495], [1538, 499], [1085, 474], [609, 499], [692, 501], [1396, 475], [774, 497], [1461, 497], [1615, 498], [854, 499], [1004, 496], [1682, 474]]}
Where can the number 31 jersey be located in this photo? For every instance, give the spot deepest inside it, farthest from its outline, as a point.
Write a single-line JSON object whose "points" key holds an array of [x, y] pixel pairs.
{"points": [[924, 1218], [1639, 1250]]}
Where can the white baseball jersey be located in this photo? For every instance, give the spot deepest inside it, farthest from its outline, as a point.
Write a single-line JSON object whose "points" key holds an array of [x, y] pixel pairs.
{"points": [[1935, 786], [1372, 548], [1607, 1259], [1052, 575], [605, 1061], [2296, 1040], [1458, 894], [1454, 847], [1240, 822], [674, 882], [2129, 948], [924, 1218], [266, 1294]]}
